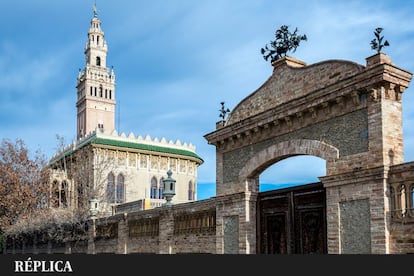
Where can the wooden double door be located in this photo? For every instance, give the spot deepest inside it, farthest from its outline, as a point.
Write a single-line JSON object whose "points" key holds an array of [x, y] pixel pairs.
{"points": [[292, 220]]}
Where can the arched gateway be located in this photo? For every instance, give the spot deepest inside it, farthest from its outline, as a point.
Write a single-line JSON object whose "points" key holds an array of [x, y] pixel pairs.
{"points": [[346, 113]]}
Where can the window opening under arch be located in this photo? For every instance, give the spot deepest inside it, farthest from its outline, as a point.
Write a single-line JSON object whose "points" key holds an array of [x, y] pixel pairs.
{"points": [[160, 188], [411, 205], [153, 189], [120, 189], [110, 188], [80, 191], [190, 190], [63, 194]]}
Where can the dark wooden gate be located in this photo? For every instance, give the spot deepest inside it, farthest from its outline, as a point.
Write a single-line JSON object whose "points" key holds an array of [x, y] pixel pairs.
{"points": [[292, 220]]}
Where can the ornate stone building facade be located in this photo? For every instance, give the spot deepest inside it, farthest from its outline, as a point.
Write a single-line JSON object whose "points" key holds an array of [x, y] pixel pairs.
{"points": [[111, 167], [346, 113]]}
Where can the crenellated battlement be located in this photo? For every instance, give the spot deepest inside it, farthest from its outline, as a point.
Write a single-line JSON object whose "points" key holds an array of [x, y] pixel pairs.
{"points": [[145, 140], [131, 138]]}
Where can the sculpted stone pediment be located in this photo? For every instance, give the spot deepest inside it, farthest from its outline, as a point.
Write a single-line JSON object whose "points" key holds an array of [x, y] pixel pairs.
{"points": [[292, 79]]}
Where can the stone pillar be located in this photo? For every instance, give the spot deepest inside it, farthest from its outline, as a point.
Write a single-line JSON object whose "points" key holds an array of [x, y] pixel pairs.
{"points": [[385, 126], [236, 223], [68, 247], [385, 110], [220, 190], [123, 235], [34, 245], [49, 246], [356, 212], [166, 231], [91, 236], [3, 246]]}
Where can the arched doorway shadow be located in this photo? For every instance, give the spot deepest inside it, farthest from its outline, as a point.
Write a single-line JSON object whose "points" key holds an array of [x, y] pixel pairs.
{"points": [[290, 220]]}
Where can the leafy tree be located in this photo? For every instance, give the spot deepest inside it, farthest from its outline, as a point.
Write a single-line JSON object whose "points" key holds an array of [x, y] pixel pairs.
{"points": [[23, 183], [85, 170], [285, 41]]}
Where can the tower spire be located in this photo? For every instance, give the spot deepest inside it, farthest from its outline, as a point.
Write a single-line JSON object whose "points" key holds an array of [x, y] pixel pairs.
{"points": [[95, 11], [96, 84]]}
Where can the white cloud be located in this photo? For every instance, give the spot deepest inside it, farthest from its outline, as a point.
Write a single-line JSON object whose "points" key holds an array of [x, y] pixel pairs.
{"points": [[19, 70]]}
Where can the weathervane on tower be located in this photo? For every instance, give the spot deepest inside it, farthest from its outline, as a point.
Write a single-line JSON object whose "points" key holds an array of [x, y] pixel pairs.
{"points": [[95, 11]]}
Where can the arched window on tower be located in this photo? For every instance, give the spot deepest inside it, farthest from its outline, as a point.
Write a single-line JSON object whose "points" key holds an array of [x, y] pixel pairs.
{"points": [[160, 189], [110, 188], [120, 189], [100, 91], [98, 60], [403, 200], [153, 191], [190, 191]]}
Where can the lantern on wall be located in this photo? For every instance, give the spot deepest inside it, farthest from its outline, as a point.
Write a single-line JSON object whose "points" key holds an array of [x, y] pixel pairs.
{"points": [[168, 188], [93, 207]]}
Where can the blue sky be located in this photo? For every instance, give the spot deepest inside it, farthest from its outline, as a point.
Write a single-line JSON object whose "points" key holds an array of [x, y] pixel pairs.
{"points": [[175, 61]]}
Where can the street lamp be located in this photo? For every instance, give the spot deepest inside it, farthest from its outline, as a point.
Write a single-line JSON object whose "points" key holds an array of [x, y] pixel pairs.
{"points": [[93, 207], [168, 188]]}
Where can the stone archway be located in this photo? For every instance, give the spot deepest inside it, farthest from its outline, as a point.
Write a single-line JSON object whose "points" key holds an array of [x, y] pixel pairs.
{"points": [[284, 217], [267, 157], [346, 113]]}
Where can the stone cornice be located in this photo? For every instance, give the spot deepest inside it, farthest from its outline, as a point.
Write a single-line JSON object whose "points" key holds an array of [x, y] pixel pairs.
{"points": [[373, 77], [357, 176]]}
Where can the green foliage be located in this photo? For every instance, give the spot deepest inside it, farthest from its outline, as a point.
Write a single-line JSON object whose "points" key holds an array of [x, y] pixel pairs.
{"points": [[285, 41]]}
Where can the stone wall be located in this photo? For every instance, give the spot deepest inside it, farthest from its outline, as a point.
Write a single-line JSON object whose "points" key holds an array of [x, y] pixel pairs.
{"points": [[182, 228], [401, 192], [362, 217], [355, 203]]}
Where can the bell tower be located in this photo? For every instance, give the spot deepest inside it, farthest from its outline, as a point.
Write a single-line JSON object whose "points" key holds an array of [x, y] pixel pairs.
{"points": [[95, 85]]}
